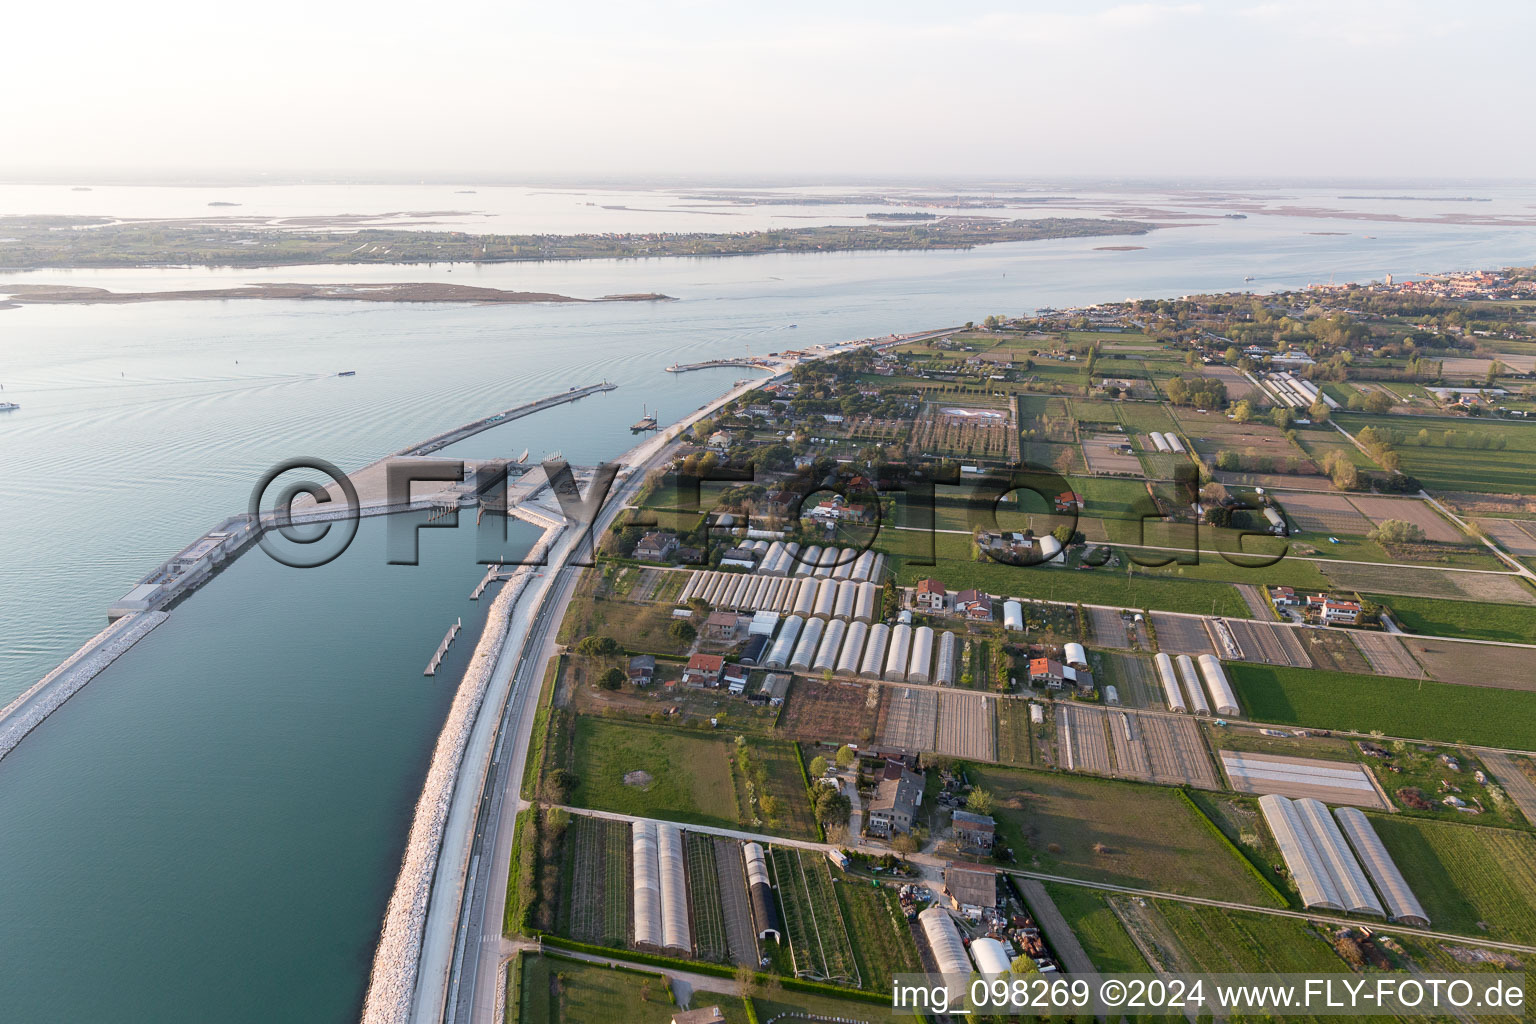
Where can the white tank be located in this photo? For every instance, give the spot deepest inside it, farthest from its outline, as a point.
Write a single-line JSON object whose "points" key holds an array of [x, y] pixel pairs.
{"points": [[1013, 616], [1170, 680], [805, 649], [826, 598], [1074, 654], [901, 651], [847, 594], [867, 605], [783, 647], [922, 655], [873, 662], [853, 648], [949, 645], [1192, 688], [831, 643]]}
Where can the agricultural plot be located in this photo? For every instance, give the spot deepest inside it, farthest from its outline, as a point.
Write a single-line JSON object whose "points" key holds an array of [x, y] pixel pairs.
{"points": [[1104, 456], [1238, 386], [1474, 664], [1518, 777], [704, 903], [1481, 881], [1174, 750], [1411, 581], [1386, 654], [1335, 651], [598, 865], [1020, 741], [1322, 513], [1379, 509], [1517, 536], [1130, 753], [1269, 643], [958, 431], [909, 717], [735, 904], [819, 710], [653, 773], [1133, 677], [1103, 938], [1181, 634], [964, 727], [1333, 782], [1107, 629], [1196, 939], [1081, 738], [1481, 715], [1471, 620], [1120, 833], [882, 942], [1141, 417], [813, 918]]}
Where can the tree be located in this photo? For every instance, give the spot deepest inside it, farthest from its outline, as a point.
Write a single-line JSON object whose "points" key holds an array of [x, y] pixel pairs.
{"points": [[832, 805], [1280, 416], [845, 756], [1063, 534], [598, 646], [1397, 531], [1242, 412], [1318, 411], [979, 802], [818, 766], [1379, 402], [682, 632], [906, 842], [612, 679]]}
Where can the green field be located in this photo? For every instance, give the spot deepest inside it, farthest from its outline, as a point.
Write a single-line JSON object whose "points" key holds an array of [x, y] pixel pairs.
{"points": [[694, 777], [813, 916], [1460, 468], [1120, 833], [882, 942], [1097, 928], [1216, 940], [1467, 877], [1417, 709], [556, 990], [1474, 620]]}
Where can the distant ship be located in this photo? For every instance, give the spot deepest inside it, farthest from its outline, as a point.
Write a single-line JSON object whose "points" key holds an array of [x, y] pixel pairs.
{"points": [[1248, 278], [8, 406], [347, 373], [647, 421]]}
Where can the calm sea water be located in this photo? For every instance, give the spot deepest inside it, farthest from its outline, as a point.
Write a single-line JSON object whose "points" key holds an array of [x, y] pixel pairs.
{"points": [[210, 830]]}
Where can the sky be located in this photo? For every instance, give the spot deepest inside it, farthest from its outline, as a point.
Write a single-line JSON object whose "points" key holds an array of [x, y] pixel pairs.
{"points": [[690, 89]]}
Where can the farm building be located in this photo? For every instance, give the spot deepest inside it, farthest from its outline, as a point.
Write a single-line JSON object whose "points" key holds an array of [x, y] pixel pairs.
{"points": [[1111, 695], [675, 933], [897, 797], [827, 561], [873, 661], [831, 643], [765, 915], [867, 603], [861, 566], [847, 597], [752, 650], [1047, 671], [1222, 698], [655, 547], [1170, 680], [775, 687], [738, 558], [826, 599], [1402, 905], [1074, 655], [853, 647], [949, 644], [720, 626], [647, 884], [974, 832], [1302, 859], [948, 949], [973, 604], [779, 654], [735, 678], [1192, 687], [971, 887], [763, 624], [703, 670], [1348, 879], [898, 656], [805, 649], [805, 597], [808, 560], [642, 669], [1013, 616], [991, 961], [922, 655]]}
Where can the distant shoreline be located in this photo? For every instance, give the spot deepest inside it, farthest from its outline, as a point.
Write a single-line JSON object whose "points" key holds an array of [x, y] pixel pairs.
{"points": [[12, 296]]}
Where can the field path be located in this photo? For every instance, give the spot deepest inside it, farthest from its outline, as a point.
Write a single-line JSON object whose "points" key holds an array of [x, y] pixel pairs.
{"points": [[1515, 782], [1073, 957], [1257, 603]]}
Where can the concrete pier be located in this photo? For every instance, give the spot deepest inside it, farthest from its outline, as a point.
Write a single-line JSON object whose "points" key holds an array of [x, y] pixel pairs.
{"points": [[447, 438], [442, 648]]}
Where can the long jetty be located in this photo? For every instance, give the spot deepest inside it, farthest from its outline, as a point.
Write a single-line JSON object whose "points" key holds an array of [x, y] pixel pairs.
{"points": [[442, 648], [449, 437], [711, 363]]}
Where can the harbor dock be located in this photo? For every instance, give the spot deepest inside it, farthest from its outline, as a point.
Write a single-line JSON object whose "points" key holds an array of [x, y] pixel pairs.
{"points": [[442, 648], [457, 434]]}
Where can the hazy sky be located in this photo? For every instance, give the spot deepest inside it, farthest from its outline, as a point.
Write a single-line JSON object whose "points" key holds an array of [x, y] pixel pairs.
{"points": [[1314, 88]]}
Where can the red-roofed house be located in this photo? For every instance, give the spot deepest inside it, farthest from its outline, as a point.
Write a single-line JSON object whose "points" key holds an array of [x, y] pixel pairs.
{"points": [[703, 670], [973, 604], [930, 594]]}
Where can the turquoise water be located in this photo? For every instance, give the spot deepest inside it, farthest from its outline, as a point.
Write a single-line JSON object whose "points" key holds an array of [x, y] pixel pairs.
{"points": [[210, 830]]}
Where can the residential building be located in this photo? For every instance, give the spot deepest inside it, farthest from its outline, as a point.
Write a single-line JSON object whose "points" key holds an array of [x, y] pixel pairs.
{"points": [[656, 546], [974, 833], [703, 670], [735, 678], [930, 595], [1047, 671], [721, 626], [973, 604], [897, 796], [642, 669]]}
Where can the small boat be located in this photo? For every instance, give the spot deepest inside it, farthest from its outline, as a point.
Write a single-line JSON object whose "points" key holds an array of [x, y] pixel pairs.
{"points": [[793, 326], [347, 373], [1248, 278], [8, 406]]}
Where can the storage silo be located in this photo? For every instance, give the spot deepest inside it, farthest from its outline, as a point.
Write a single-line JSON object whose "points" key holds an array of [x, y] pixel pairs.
{"points": [[831, 643], [805, 648], [1170, 680], [991, 960], [808, 560], [896, 658], [873, 661], [867, 605], [853, 648], [1074, 655], [1222, 697], [826, 598], [784, 645], [1192, 688], [765, 916], [847, 594], [1013, 616], [949, 646], [805, 597], [675, 932], [647, 884], [921, 662]]}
